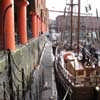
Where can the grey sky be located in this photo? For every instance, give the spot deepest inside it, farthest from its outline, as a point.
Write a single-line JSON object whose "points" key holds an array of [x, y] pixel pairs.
{"points": [[60, 4]]}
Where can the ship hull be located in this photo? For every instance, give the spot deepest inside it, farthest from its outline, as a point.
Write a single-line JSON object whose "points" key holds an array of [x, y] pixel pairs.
{"points": [[76, 92]]}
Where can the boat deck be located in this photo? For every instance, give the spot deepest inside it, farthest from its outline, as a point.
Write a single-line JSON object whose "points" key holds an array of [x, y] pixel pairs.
{"points": [[77, 73]]}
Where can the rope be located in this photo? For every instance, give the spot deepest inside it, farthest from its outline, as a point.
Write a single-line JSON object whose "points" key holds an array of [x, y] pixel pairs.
{"points": [[66, 94]]}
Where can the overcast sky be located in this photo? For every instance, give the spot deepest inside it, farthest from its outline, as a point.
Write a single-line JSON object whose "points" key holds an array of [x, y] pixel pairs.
{"points": [[60, 5]]}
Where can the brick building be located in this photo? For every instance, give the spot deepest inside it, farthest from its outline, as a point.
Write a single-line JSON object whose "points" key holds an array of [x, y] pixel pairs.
{"points": [[87, 23], [17, 16], [38, 8]]}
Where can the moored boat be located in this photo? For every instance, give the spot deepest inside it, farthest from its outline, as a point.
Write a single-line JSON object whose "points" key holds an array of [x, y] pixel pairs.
{"points": [[73, 76]]}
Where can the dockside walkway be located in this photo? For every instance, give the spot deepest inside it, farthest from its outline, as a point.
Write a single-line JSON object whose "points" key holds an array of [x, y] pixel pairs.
{"points": [[49, 78]]}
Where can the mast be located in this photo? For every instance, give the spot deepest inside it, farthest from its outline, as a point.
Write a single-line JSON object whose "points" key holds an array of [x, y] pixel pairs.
{"points": [[71, 22], [78, 33]]}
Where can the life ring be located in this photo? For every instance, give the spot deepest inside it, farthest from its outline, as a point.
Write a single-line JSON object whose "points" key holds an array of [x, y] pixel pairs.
{"points": [[66, 55]]}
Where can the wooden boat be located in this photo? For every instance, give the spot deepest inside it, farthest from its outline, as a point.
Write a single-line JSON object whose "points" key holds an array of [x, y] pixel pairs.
{"points": [[71, 73]]}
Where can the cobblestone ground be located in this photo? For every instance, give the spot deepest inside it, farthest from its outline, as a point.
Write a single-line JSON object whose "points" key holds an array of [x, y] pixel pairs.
{"points": [[49, 78]]}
